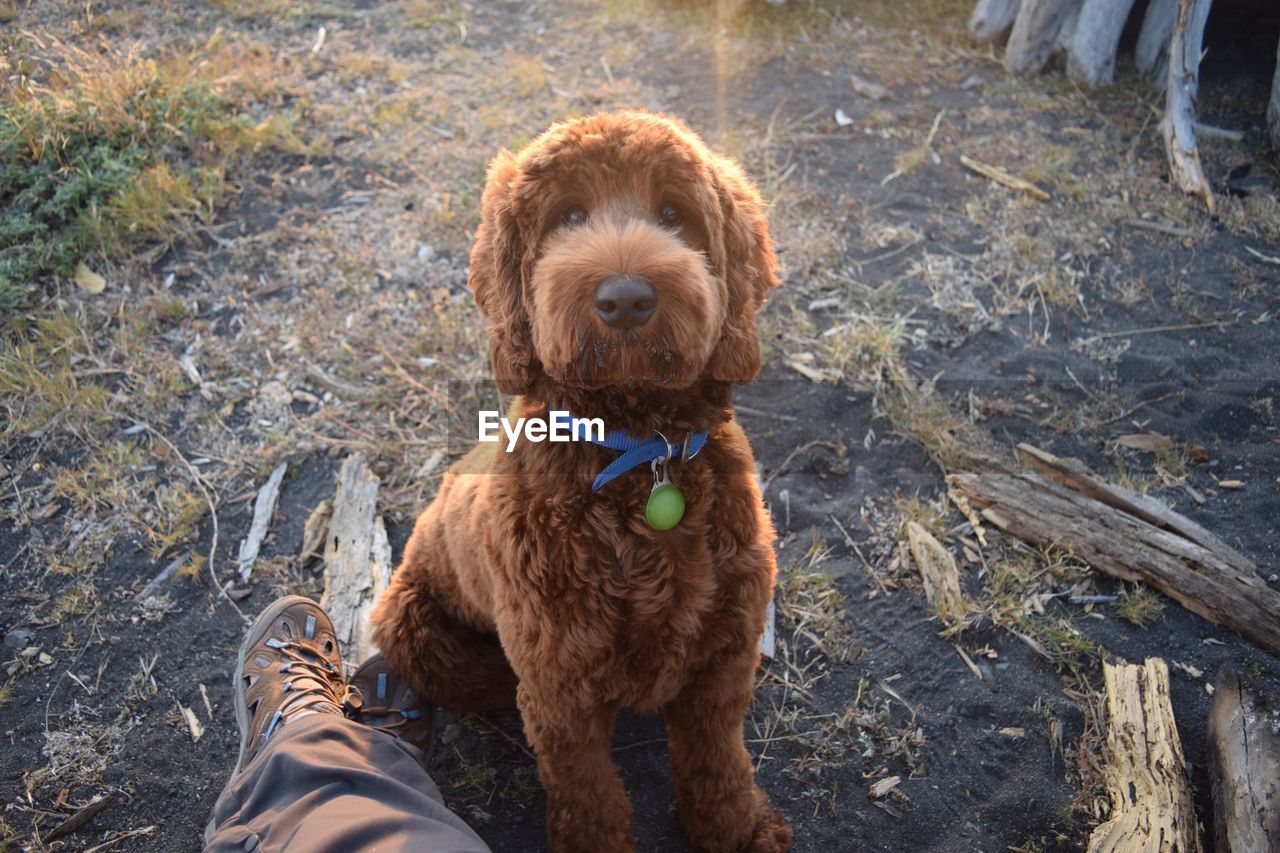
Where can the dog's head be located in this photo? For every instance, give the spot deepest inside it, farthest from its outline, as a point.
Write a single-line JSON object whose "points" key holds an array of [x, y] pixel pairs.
{"points": [[617, 249]]}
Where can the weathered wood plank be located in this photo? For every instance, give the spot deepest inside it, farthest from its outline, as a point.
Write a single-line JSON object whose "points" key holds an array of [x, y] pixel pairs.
{"points": [[1151, 806], [1244, 765]]}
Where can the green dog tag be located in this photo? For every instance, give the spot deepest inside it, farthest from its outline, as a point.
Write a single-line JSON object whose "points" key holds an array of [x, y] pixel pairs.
{"points": [[665, 507]]}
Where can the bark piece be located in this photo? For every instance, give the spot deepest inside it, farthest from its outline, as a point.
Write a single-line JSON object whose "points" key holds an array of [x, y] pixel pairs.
{"points": [[939, 573], [1034, 32], [1178, 126], [1091, 57], [1125, 536], [78, 820], [1151, 806], [1244, 765], [992, 19], [1152, 51], [357, 559]]}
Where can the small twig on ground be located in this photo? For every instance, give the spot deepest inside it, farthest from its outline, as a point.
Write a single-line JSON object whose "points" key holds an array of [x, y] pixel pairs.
{"points": [[1150, 330], [143, 830], [1080, 385], [336, 386], [854, 545], [1158, 227], [1269, 259], [154, 584], [509, 739], [760, 413], [1000, 176], [804, 448], [1210, 132], [1127, 412], [639, 744]]}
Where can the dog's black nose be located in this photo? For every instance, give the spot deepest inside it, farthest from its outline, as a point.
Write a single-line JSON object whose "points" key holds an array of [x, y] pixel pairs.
{"points": [[625, 301]]}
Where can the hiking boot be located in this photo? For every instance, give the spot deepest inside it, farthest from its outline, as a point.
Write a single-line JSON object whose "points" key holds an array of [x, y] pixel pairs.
{"points": [[289, 662], [392, 706]]}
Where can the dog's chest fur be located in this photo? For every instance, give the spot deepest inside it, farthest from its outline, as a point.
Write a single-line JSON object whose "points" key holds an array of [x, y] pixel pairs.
{"points": [[634, 610]]}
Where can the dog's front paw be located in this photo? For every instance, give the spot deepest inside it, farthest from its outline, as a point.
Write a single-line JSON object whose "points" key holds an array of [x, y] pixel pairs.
{"points": [[771, 833], [751, 827]]}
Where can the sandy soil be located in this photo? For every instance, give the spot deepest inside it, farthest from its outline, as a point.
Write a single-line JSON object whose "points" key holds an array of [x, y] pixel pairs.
{"points": [[1053, 323]]}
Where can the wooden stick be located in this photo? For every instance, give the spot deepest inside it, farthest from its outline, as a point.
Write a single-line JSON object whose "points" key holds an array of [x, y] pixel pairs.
{"points": [[1002, 177], [1244, 765], [1151, 806]]}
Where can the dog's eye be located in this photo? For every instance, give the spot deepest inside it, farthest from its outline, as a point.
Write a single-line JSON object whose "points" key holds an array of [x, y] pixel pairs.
{"points": [[574, 216], [669, 216]]}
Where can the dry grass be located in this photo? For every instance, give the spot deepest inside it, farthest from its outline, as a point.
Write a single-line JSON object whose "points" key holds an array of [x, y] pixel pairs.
{"points": [[812, 607], [105, 150], [1140, 605]]}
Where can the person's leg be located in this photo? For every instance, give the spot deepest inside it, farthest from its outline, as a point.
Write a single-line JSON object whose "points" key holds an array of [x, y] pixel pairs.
{"points": [[309, 779], [327, 783]]}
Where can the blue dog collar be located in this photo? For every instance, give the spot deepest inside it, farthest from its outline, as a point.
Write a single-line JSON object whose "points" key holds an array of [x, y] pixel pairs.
{"points": [[635, 451]]}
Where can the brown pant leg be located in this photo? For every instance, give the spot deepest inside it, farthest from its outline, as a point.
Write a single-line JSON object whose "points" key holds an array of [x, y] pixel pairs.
{"points": [[325, 783]]}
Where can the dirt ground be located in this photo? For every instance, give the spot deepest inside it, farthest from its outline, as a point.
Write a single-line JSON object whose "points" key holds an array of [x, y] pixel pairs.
{"points": [[326, 313]]}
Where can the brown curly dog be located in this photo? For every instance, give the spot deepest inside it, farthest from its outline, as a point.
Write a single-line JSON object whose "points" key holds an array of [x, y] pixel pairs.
{"points": [[619, 265]]}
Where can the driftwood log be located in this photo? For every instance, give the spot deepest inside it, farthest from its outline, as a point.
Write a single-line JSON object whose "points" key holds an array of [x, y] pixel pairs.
{"points": [[1244, 764], [1091, 57], [1126, 536], [1152, 50], [1178, 126], [992, 19], [1035, 32], [1151, 806], [357, 559], [1086, 35]]}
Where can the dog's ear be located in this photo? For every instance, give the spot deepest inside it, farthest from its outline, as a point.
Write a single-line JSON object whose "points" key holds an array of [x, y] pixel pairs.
{"points": [[497, 281], [750, 269]]}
